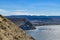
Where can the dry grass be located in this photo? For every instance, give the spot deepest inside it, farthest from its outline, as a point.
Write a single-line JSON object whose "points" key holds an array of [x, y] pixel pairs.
{"points": [[9, 31]]}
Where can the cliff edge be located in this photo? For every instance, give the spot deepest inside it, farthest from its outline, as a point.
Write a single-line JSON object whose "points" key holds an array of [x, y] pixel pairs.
{"points": [[9, 31]]}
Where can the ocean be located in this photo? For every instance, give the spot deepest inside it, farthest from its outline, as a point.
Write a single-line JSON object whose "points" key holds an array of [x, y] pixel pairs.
{"points": [[48, 32]]}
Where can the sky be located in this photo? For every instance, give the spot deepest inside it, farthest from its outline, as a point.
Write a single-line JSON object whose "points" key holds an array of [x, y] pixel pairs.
{"points": [[30, 7]]}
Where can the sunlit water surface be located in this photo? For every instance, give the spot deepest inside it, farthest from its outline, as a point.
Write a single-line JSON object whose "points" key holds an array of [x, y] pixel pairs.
{"points": [[49, 32]]}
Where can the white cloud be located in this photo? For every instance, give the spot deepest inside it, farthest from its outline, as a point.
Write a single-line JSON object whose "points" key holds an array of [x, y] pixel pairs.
{"points": [[4, 12], [24, 12], [19, 12], [16, 12]]}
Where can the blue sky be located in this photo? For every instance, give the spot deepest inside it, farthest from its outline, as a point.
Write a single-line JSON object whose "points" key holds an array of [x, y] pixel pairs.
{"points": [[30, 7]]}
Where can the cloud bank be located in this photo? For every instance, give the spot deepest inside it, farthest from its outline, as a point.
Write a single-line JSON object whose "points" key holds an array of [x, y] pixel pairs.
{"points": [[16, 12], [23, 12]]}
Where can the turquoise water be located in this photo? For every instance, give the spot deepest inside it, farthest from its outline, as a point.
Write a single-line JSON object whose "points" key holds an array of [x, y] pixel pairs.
{"points": [[49, 32]]}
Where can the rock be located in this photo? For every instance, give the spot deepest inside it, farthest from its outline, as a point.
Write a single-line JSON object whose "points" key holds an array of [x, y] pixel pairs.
{"points": [[9, 31], [22, 23], [27, 26]]}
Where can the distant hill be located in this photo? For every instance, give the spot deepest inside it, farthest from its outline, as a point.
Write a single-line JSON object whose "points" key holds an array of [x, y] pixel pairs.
{"points": [[9, 31], [32, 17], [39, 20]]}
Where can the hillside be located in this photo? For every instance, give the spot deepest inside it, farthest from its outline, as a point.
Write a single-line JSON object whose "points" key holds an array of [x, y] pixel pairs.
{"points": [[22, 23], [39, 20], [9, 31]]}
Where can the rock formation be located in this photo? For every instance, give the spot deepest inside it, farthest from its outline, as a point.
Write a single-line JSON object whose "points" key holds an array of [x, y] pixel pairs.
{"points": [[9, 31], [22, 23]]}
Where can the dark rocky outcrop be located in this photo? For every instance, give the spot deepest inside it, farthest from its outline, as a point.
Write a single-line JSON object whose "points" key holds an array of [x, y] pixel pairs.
{"points": [[27, 26]]}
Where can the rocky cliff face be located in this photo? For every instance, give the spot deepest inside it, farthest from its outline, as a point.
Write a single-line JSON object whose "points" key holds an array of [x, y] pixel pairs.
{"points": [[9, 31], [27, 26], [23, 23]]}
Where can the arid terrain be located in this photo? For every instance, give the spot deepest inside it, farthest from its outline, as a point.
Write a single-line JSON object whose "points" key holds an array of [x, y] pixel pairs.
{"points": [[9, 31]]}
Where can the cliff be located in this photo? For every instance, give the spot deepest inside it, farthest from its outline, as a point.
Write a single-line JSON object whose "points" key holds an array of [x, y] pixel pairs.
{"points": [[9, 31], [22, 23]]}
